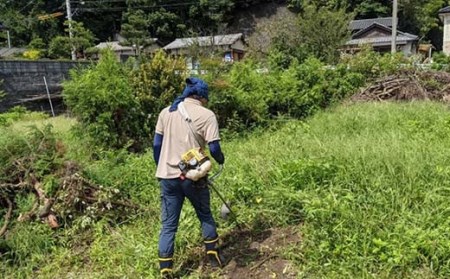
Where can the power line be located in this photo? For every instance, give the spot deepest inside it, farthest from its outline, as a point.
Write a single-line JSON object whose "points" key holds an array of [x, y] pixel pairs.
{"points": [[123, 8], [185, 4], [156, 6], [82, 2]]}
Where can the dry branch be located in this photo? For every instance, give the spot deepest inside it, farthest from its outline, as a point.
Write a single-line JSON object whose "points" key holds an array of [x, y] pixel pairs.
{"points": [[7, 216], [407, 85]]}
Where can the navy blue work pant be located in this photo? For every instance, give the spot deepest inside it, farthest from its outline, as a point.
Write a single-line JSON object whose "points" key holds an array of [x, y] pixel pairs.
{"points": [[173, 193]]}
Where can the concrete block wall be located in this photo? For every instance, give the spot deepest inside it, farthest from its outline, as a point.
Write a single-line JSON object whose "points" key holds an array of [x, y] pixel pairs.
{"points": [[23, 80]]}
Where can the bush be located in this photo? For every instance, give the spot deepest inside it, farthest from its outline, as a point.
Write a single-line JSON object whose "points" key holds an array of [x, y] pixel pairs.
{"points": [[156, 82], [239, 97], [118, 106], [59, 47], [102, 99], [32, 54], [441, 62], [373, 65], [19, 113], [247, 97]]}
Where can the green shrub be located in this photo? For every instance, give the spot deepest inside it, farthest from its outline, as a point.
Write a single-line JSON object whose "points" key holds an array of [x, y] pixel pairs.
{"points": [[103, 101], [239, 99], [441, 62], [19, 113], [32, 54], [374, 65], [156, 82], [118, 106]]}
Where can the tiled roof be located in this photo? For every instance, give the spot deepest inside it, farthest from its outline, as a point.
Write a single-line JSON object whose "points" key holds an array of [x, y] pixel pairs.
{"points": [[218, 40], [359, 38], [444, 10], [5, 52], [114, 46], [356, 25]]}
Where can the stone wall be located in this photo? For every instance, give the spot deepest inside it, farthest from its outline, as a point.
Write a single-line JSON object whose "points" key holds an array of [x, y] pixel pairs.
{"points": [[23, 83]]}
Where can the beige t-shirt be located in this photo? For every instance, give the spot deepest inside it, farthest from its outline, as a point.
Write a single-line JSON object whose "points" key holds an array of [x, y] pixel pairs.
{"points": [[178, 137]]}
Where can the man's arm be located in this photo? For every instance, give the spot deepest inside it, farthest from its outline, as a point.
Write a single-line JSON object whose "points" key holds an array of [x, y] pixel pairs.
{"points": [[157, 144], [216, 152]]}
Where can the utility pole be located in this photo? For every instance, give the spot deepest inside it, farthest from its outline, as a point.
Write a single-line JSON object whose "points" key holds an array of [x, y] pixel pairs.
{"points": [[394, 27], [9, 38], [69, 18], [2, 27]]}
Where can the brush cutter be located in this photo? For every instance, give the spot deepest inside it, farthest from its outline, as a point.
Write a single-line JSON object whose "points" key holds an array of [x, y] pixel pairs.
{"points": [[225, 209]]}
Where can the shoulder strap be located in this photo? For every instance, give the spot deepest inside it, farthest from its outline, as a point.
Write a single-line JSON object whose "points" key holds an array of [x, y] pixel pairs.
{"points": [[188, 120]]}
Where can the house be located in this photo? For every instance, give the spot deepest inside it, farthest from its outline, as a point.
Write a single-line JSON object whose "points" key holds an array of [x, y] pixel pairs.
{"points": [[123, 52], [444, 15], [377, 32], [231, 47]]}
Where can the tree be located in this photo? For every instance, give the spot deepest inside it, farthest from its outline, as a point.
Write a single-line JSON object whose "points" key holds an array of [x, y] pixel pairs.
{"points": [[283, 26], [208, 16], [135, 29], [21, 16], [323, 31], [362, 8], [165, 25], [61, 46], [418, 16], [82, 38]]}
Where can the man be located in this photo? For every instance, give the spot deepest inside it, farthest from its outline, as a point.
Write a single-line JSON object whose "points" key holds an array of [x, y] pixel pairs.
{"points": [[173, 137]]}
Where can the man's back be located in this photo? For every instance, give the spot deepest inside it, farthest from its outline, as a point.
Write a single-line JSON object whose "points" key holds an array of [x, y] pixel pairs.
{"points": [[178, 137]]}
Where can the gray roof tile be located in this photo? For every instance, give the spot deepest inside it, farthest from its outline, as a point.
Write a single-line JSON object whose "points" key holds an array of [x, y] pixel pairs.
{"points": [[217, 40], [444, 10], [359, 24]]}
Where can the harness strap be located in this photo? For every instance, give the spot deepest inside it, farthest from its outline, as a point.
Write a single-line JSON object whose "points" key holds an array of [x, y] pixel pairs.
{"points": [[188, 120]]}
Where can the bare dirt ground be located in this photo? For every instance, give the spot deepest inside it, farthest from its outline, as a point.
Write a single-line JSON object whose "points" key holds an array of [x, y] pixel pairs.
{"points": [[251, 254]]}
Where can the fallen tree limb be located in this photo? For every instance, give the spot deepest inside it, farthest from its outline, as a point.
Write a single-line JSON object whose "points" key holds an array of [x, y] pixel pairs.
{"points": [[7, 216], [45, 213]]}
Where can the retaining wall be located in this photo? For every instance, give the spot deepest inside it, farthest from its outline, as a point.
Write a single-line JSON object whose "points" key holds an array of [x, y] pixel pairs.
{"points": [[23, 83]]}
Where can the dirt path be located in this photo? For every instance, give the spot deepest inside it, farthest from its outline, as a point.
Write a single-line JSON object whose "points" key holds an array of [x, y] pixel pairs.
{"points": [[251, 254]]}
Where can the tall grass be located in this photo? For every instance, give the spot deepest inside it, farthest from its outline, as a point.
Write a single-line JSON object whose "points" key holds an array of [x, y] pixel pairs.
{"points": [[370, 182], [366, 184]]}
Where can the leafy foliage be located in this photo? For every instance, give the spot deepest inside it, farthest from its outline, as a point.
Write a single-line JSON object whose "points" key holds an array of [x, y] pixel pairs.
{"points": [[135, 29], [372, 64], [441, 61], [156, 82], [19, 113], [102, 99], [118, 105], [60, 47], [323, 31]]}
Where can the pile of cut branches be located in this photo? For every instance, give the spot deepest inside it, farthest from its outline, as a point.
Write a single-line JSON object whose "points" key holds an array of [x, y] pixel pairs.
{"points": [[34, 164], [407, 85]]}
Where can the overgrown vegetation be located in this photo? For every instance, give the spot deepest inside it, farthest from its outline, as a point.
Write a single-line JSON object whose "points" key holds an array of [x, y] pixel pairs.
{"points": [[117, 105], [359, 181], [370, 194]]}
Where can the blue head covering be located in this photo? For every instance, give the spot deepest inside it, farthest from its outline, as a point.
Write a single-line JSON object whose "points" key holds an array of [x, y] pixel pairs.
{"points": [[194, 86]]}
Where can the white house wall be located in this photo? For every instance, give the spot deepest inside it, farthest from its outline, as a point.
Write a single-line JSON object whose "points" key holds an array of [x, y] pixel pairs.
{"points": [[446, 43], [239, 45], [408, 49]]}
